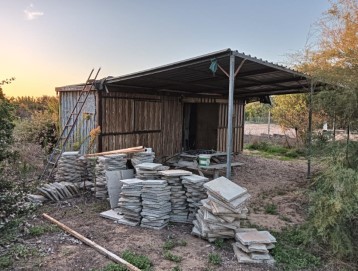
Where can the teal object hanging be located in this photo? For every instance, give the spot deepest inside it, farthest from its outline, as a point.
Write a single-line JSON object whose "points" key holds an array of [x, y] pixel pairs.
{"points": [[214, 65]]}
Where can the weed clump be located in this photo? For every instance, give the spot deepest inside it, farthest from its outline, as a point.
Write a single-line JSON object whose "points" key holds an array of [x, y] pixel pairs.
{"points": [[214, 258]]}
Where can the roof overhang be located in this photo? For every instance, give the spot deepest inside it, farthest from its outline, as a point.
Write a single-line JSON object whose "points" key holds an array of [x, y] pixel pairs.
{"points": [[193, 77]]}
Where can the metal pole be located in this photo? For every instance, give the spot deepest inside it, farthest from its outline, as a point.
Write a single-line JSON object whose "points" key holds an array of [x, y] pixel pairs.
{"points": [[310, 133], [230, 115]]}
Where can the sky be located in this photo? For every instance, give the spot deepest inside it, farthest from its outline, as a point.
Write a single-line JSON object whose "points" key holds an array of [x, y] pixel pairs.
{"points": [[46, 43]]}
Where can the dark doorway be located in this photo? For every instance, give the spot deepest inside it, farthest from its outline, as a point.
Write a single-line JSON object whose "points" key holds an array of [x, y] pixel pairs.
{"points": [[200, 126]]}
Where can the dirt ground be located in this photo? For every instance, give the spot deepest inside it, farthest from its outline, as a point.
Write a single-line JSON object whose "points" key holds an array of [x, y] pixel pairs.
{"points": [[270, 182]]}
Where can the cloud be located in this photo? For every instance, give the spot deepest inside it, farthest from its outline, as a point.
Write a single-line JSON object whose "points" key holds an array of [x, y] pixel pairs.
{"points": [[31, 13]]}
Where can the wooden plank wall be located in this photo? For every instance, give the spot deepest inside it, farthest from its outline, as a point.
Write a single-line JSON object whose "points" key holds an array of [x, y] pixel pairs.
{"points": [[83, 127], [238, 127], [131, 119]]}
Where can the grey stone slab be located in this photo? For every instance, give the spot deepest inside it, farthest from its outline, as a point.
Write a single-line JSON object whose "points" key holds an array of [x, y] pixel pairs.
{"points": [[261, 248], [175, 172], [133, 181], [225, 189], [255, 237], [36, 198], [149, 166], [195, 178], [113, 186], [242, 257]]}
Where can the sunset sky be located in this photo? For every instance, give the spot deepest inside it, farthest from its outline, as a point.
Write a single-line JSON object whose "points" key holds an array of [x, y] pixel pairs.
{"points": [[45, 44]]}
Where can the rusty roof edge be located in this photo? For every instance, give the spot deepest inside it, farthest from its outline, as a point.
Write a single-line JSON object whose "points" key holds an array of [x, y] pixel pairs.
{"points": [[271, 64], [174, 65]]}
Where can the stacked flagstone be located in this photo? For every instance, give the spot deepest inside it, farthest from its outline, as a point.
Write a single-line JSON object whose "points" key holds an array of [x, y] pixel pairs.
{"points": [[195, 192], [142, 157], [87, 173], [58, 190], [252, 246], [179, 212], [107, 163], [129, 203], [219, 216], [156, 204], [149, 171], [68, 169]]}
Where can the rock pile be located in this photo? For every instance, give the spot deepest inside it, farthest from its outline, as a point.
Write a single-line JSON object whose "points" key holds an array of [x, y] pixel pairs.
{"points": [[156, 204], [68, 168], [179, 210], [219, 216], [59, 190], [149, 171], [129, 203], [195, 192], [253, 246], [142, 157], [107, 163]]}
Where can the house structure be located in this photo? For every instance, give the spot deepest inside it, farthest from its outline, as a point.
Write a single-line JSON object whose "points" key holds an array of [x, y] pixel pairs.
{"points": [[179, 106]]}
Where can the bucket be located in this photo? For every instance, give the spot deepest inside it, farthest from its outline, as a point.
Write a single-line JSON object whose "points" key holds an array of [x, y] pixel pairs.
{"points": [[204, 160]]}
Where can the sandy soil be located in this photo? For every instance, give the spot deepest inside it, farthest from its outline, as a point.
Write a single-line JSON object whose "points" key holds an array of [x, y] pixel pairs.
{"points": [[269, 181]]}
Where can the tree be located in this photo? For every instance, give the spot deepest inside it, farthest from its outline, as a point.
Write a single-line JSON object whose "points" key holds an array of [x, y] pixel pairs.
{"points": [[291, 111]]}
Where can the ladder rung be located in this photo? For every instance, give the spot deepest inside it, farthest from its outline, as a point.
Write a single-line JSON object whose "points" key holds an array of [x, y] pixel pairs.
{"points": [[50, 162]]}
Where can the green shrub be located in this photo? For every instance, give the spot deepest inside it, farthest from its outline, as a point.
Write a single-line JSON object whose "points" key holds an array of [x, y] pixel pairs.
{"points": [[333, 211], [215, 259], [5, 262], [271, 209], [138, 260], [219, 242], [171, 257]]}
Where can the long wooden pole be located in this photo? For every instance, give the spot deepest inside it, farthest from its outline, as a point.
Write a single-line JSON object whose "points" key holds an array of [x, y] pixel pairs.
{"points": [[128, 150], [92, 244]]}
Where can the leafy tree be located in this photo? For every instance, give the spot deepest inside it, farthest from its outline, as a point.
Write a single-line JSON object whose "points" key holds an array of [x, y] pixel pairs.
{"points": [[291, 111], [256, 111]]}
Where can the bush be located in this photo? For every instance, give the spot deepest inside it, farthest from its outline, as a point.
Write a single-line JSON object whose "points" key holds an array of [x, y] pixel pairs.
{"points": [[333, 211]]}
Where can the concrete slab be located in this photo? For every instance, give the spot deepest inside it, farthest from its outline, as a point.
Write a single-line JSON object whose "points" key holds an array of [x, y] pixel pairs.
{"points": [[175, 172], [255, 237], [149, 166], [225, 189]]}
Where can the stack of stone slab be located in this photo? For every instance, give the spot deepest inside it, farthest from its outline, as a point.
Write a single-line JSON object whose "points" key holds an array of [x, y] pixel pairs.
{"points": [[156, 204], [59, 190], [219, 216], [179, 210], [252, 246], [68, 168], [149, 171], [129, 203], [195, 192], [100, 188], [142, 157], [107, 163], [87, 173]]}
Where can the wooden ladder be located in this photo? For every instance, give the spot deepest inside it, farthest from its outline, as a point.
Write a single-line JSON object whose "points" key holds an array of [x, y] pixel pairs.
{"points": [[68, 129]]}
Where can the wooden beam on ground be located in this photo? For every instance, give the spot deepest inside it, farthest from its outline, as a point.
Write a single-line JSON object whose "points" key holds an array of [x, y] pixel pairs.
{"points": [[128, 150], [92, 244]]}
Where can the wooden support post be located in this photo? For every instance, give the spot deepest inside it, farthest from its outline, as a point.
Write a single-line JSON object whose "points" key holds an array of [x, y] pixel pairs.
{"points": [[92, 244]]}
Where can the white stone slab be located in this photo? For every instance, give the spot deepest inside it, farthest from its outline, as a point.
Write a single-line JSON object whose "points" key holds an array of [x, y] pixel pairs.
{"points": [[255, 237], [175, 172], [149, 166], [195, 178], [225, 189]]}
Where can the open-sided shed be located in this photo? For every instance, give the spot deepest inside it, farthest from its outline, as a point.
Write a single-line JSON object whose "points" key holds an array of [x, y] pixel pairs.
{"points": [[195, 103]]}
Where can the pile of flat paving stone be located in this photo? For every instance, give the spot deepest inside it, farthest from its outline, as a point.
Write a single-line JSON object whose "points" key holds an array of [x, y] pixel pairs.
{"points": [[142, 157], [112, 162], [149, 171], [179, 210], [252, 246], [58, 190], [68, 168], [219, 217], [129, 203], [195, 192], [156, 204], [88, 172]]}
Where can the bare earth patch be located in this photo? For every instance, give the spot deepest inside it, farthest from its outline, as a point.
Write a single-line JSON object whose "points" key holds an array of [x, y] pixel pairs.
{"points": [[269, 181]]}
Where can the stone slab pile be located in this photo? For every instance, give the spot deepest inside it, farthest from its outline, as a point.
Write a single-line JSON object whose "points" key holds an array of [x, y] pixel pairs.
{"points": [[179, 206], [88, 172], [68, 168], [149, 171], [107, 163], [129, 203], [156, 204], [142, 157], [252, 246], [114, 184], [59, 190], [219, 217], [195, 192]]}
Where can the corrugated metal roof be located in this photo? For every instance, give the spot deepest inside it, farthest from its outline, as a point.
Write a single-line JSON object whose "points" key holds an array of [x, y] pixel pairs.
{"points": [[192, 76]]}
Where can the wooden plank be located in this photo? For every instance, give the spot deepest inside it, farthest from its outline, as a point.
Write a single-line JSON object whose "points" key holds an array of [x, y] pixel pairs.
{"points": [[92, 244]]}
